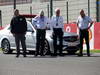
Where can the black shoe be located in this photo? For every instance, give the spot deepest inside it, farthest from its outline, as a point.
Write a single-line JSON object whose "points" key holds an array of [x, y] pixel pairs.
{"points": [[24, 56], [88, 55], [80, 55], [17, 56], [36, 54], [61, 54], [42, 54], [54, 55]]}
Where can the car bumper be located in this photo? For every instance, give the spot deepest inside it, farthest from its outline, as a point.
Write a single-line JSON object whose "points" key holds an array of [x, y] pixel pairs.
{"points": [[71, 45]]}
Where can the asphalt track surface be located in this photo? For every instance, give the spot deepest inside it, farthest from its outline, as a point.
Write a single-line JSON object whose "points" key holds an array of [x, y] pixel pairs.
{"points": [[67, 65]]}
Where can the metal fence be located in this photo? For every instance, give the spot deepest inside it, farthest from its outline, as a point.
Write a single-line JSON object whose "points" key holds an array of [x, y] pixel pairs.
{"points": [[69, 9]]}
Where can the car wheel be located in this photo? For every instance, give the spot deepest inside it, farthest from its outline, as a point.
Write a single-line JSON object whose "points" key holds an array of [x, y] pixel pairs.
{"points": [[5, 45], [46, 48]]}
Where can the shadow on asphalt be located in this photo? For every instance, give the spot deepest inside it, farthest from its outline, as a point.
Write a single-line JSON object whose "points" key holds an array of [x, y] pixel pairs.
{"points": [[31, 55]]}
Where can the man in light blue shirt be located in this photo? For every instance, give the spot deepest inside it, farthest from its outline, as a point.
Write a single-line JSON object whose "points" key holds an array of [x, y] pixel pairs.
{"points": [[84, 23], [57, 26], [40, 22]]}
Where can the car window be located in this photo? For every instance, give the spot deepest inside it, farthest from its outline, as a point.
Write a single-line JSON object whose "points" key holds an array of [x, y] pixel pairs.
{"points": [[29, 28], [9, 28]]}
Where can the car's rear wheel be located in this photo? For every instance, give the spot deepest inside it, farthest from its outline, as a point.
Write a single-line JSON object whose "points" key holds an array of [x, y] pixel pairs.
{"points": [[5, 45], [46, 48]]}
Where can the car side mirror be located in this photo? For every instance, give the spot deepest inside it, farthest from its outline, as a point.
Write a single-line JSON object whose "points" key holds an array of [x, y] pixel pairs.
{"points": [[30, 31]]}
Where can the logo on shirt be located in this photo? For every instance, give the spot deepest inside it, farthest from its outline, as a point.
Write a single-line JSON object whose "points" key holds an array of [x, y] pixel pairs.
{"points": [[20, 19]]}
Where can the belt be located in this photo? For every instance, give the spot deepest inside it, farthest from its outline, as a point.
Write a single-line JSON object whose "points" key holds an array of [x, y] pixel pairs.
{"points": [[83, 29], [57, 28], [41, 29]]}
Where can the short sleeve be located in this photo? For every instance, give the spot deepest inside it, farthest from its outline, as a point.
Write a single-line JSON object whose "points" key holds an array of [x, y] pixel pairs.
{"points": [[34, 21], [90, 20]]}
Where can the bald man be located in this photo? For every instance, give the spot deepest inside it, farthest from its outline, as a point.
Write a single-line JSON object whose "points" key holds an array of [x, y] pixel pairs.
{"points": [[84, 23], [40, 22], [57, 26]]}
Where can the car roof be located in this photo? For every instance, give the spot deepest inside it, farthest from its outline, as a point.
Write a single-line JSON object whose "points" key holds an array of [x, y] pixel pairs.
{"points": [[28, 22], [28, 15]]}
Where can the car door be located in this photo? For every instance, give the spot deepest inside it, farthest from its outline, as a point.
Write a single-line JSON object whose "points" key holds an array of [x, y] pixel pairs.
{"points": [[11, 37], [30, 37]]}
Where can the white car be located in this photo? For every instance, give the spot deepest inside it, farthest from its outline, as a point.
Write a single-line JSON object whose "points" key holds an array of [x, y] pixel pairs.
{"points": [[7, 41]]}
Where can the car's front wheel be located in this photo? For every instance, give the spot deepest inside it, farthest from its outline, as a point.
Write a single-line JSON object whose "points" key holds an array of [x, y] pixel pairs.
{"points": [[5, 45], [46, 48]]}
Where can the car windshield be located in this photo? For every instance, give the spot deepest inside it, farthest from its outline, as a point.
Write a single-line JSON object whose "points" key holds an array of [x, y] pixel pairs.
{"points": [[30, 27]]}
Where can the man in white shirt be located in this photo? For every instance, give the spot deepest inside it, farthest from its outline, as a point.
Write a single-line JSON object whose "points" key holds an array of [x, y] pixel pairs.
{"points": [[84, 23], [40, 22], [57, 26]]}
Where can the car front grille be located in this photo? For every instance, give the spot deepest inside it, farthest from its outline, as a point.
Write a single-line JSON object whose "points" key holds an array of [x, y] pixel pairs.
{"points": [[70, 38]]}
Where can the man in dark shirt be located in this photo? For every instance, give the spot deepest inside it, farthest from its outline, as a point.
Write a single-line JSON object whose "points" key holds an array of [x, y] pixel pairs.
{"points": [[18, 29]]}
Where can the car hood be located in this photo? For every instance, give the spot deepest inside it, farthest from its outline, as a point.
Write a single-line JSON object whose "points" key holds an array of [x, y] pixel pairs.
{"points": [[2, 31], [49, 33], [70, 34]]}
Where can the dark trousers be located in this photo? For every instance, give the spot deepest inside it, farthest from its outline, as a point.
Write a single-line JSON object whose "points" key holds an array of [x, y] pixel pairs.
{"points": [[84, 34], [20, 38], [40, 38], [57, 35]]}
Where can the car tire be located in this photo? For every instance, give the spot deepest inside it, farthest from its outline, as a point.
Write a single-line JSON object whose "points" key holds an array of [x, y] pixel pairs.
{"points": [[5, 45], [46, 48]]}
